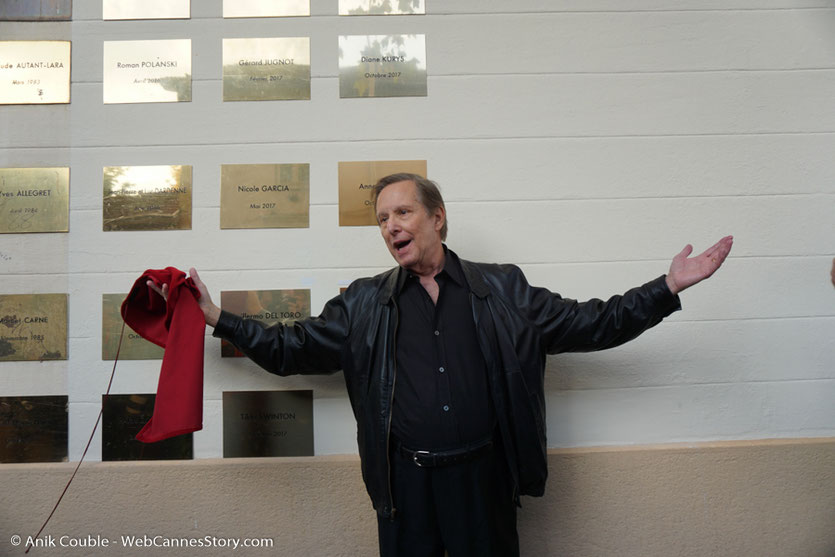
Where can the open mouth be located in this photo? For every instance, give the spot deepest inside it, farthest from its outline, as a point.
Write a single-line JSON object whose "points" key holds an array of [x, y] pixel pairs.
{"points": [[401, 244]]}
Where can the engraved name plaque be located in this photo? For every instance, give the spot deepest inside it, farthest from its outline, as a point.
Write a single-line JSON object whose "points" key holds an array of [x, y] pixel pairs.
{"points": [[34, 200], [146, 9], [266, 69], [122, 418], [382, 66], [33, 327], [34, 72], [356, 182], [267, 423], [268, 306], [264, 196], [134, 347], [33, 428], [381, 7], [35, 10], [266, 8], [147, 198], [147, 71]]}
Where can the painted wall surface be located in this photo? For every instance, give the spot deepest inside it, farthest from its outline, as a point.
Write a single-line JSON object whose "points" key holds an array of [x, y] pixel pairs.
{"points": [[587, 142]]}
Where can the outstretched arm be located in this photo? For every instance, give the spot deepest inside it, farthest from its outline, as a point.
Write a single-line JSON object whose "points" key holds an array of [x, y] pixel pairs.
{"points": [[686, 271], [210, 311]]}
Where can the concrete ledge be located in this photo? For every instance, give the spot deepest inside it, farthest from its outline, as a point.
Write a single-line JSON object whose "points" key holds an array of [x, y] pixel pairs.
{"points": [[739, 498]]}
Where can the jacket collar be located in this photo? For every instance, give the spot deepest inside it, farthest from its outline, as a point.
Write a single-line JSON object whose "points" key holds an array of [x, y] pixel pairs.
{"points": [[396, 276], [475, 278]]}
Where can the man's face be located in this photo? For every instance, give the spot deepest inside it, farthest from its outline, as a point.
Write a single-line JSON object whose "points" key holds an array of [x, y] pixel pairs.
{"points": [[412, 236]]}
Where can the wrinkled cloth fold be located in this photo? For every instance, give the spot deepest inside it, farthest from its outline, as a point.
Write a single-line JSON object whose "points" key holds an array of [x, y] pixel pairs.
{"points": [[178, 326]]}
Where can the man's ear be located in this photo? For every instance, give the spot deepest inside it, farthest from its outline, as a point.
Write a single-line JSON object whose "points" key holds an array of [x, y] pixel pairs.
{"points": [[440, 218]]}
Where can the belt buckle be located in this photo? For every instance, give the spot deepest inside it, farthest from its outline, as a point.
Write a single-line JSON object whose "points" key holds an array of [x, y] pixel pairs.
{"points": [[418, 454]]}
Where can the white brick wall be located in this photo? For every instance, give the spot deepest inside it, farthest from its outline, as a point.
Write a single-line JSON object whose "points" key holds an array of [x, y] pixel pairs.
{"points": [[587, 141]]}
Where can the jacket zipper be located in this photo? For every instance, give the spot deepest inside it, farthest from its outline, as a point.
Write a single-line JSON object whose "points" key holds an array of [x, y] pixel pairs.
{"points": [[514, 480], [391, 407]]}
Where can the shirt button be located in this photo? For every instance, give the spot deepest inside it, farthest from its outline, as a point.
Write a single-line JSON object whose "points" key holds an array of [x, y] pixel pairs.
{"points": [[446, 408], [441, 369], [437, 333]]}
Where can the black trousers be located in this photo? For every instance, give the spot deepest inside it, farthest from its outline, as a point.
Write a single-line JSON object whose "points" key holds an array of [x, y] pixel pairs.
{"points": [[464, 510]]}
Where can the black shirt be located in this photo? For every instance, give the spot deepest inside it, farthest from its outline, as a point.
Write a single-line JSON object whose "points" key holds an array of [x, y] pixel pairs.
{"points": [[441, 395]]}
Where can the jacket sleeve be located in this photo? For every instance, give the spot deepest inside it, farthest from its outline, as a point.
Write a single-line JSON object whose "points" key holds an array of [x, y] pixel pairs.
{"points": [[567, 325], [312, 345]]}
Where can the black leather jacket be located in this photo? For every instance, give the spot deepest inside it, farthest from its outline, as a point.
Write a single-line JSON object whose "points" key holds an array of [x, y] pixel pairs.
{"points": [[517, 324]]}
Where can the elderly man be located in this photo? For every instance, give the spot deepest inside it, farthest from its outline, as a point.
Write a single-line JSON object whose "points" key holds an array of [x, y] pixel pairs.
{"points": [[444, 362]]}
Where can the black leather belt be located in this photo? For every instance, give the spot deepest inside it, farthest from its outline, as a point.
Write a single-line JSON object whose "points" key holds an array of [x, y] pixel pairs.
{"points": [[429, 459]]}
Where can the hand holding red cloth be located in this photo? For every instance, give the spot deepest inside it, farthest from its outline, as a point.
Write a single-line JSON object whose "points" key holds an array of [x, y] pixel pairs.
{"points": [[179, 326]]}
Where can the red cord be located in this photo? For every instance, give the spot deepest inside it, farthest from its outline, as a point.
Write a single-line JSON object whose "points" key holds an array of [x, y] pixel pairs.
{"points": [[95, 427]]}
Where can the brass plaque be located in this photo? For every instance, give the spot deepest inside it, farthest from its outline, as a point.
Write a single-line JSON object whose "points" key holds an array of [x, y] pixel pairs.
{"points": [[147, 71], [266, 69], [35, 10], [147, 198], [122, 418], [33, 327], [382, 66], [134, 347], [266, 8], [268, 306], [34, 72], [264, 195], [381, 7], [33, 428], [267, 423], [146, 9], [356, 182], [34, 200]]}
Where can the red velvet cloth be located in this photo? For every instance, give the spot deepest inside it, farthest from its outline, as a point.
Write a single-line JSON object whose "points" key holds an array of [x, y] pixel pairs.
{"points": [[180, 328]]}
